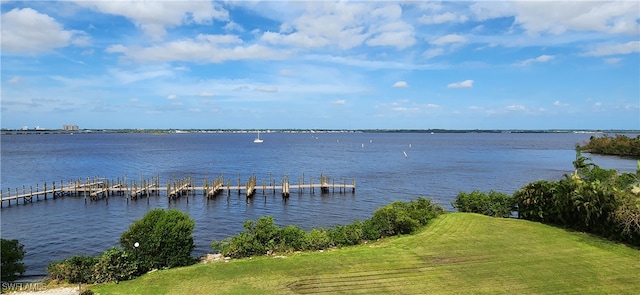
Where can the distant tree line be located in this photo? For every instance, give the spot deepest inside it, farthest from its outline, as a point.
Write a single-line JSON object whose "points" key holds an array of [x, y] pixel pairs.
{"points": [[620, 145], [592, 199]]}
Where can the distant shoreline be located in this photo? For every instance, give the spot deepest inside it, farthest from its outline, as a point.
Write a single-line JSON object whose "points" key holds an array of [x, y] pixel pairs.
{"points": [[179, 131]]}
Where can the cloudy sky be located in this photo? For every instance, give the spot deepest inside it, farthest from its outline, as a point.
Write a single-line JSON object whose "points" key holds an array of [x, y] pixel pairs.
{"points": [[321, 64]]}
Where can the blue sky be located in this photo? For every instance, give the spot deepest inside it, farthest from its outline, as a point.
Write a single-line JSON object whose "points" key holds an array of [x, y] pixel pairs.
{"points": [[321, 64]]}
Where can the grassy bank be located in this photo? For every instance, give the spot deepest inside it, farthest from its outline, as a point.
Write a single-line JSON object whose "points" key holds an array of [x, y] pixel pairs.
{"points": [[455, 254]]}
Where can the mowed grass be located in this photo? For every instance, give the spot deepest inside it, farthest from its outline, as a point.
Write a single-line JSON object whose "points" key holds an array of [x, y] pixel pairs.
{"points": [[456, 253]]}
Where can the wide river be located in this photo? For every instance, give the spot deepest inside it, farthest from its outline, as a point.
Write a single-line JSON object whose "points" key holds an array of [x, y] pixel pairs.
{"points": [[437, 166]]}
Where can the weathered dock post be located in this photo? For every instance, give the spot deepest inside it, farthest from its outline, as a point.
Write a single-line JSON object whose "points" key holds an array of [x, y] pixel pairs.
{"points": [[273, 183], [353, 189], [239, 183]]}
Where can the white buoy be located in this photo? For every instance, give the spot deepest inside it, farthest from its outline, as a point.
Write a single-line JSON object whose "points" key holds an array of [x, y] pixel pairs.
{"points": [[363, 145], [409, 145]]}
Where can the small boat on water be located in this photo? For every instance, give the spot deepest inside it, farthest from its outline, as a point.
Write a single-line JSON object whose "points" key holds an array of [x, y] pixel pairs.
{"points": [[258, 140]]}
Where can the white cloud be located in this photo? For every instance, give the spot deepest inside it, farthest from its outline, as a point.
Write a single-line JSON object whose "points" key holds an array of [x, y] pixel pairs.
{"points": [[539, 59], [612, 60], [400, 84], [233, 26], [14, 80], [269, 89], [172, 97], [321, 23], [153, 17], [557, 103], [463, 84], [26, 32], [446, 17], [206, 94], [286, 72], [398, 39], [343, 25], [339, 102], [116, 48], [604, 49], [139, 74], [448, 39], [204, 48], [430, 53], [516, 107], [219, 39], [618, 17]]}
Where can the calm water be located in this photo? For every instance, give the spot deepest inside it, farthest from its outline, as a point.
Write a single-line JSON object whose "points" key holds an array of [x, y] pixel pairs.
{"points": [[438, 166]]}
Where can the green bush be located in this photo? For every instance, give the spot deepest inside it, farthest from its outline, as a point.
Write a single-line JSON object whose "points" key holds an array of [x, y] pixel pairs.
{"points": [[11, 257], [263, 237], [164, 240], [626, 217], [317, 239], [400, 218], [292, 238], [346, 235], [621, 145], [77, 269], [114, 265], [494, 203], [592, 199]]}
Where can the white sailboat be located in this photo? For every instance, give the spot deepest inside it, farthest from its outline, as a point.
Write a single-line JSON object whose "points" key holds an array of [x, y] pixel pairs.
{"points": [[258, 140]]}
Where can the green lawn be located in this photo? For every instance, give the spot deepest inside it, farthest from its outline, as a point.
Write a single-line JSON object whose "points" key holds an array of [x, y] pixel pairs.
{"points": [[456, 253]]}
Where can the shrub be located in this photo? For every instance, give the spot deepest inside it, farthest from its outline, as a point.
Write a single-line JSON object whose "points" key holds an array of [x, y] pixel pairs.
{"points": [[11, 257], [263, 236], [346, 235], [591, 199], [114, 265], [77, 269], [394, 219], [494, 203], [291, 238], [626, 217], [317, 239], [164, 240]]}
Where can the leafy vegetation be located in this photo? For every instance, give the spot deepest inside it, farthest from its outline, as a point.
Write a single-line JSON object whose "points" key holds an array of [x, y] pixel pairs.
{"points": [[457, 253], [263, 237], [11, 257], [76, 269], [620, 145], [494, 203], [592, 199], [161, 239]]}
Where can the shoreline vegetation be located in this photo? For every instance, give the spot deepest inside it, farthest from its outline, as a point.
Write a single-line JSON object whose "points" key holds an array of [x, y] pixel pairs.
{"points": [[6, 131], [618, 145]]}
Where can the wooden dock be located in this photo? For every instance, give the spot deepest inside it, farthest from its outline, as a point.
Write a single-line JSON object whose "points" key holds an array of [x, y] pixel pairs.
{"points": [[93, 189]]}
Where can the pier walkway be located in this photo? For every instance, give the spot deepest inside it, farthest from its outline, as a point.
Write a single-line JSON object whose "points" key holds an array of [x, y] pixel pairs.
{"points": [[93, 189]]}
